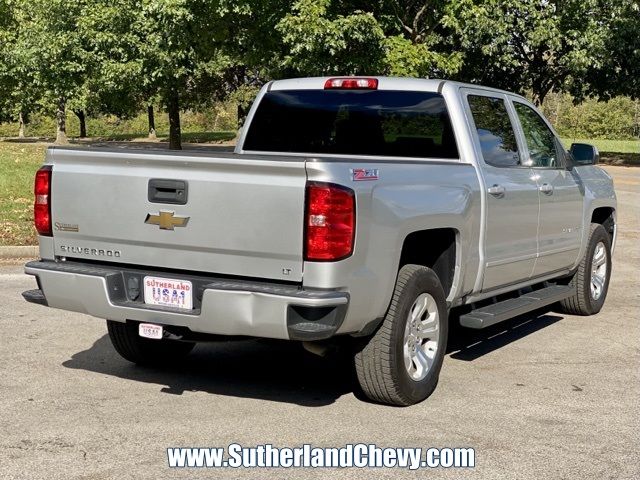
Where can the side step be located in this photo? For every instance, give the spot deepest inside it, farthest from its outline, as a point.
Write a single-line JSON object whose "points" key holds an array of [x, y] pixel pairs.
{"points": [[498, 312]]}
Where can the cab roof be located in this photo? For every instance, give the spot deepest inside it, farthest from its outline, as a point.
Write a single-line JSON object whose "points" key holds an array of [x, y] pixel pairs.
{"points": [[384, 83]]}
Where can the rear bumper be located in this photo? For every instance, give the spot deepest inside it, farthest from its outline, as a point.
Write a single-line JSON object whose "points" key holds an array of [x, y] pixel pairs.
{"points": [[221, 306]]}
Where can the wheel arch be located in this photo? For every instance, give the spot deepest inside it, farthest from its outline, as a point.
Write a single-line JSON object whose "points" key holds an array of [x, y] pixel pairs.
{"points": [[438, 249], [605, 216]]}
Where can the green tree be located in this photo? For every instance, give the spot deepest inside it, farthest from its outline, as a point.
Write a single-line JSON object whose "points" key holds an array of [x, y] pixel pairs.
{"points": [[181, 48], [532, 45], [19, 89], [114, 85], [422, 38], [7, 26], [617, 69], [320, 42], [48, 33], [389, 37]]}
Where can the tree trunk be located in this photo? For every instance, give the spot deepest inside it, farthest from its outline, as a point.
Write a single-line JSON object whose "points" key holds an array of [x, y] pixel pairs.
{"points": [[539, 90], [242, 115], [21, 128], [538, 98], [636, 119], [83, 123], [61, 121], [152, 122], [173, 107]]}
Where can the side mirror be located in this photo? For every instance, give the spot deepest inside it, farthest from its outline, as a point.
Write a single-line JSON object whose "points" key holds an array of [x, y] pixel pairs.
{"points": [[584, 154]]}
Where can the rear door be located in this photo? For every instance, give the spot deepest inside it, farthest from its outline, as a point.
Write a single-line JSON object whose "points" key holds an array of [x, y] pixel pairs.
{"points": [[510, 241], [237, 215], [561, 201]]}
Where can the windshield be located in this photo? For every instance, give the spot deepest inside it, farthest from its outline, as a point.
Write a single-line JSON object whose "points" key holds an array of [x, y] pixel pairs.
{"points": [[355, 122]]}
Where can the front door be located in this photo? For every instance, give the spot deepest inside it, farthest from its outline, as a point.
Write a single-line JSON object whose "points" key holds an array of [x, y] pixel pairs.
{"points": [[561, 199], [510, 239]]}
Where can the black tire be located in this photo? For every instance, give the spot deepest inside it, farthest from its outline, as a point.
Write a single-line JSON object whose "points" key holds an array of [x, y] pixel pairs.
{"points": [[582, 302], [144, 351], [379, 365]]}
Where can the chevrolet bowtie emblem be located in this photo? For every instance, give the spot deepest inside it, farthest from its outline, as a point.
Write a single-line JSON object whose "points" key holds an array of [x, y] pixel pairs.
{"points": [[166, 220]]}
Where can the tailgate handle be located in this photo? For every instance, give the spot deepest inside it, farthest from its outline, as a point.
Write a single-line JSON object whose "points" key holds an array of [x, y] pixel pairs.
{"points": [[167, 191]]}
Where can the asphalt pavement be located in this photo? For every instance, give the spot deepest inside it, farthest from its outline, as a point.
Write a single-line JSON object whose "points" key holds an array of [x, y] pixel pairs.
{"points": [[552, 396]]}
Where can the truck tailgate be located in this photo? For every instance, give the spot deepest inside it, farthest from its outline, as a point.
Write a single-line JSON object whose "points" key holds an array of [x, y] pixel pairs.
{"points": [[245, 213]]}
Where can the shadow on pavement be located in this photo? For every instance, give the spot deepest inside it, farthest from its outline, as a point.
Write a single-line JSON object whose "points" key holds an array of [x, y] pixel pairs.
{"points": [[468, 344], [283, 371], [262, 369]]}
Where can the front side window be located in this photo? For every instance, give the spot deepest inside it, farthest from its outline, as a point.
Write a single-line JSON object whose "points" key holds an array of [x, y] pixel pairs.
{"points": [[353, 122], [541, 142], [495, 131]]}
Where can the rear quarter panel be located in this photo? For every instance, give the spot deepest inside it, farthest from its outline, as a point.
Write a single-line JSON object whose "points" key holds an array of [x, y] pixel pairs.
{"points": [[409, 196]]}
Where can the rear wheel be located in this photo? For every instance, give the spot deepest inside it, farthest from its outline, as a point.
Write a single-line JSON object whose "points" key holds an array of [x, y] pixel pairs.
{"points": [[131, 346], [401, 362], [591, 280]]}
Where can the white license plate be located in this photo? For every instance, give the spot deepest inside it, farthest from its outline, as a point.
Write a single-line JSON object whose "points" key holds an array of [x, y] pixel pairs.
{"points": [[168, 293], [148, 330]]}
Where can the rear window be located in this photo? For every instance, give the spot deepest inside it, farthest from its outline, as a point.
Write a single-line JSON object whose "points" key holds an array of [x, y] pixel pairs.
{"points": [[356, 122]]}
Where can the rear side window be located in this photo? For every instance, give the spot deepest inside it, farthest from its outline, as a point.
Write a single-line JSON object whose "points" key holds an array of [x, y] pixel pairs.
{"points": [[355, 122], [495, 131]]}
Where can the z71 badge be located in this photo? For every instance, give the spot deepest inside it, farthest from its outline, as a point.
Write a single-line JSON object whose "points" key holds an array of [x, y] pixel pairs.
{"points": [[363, 174]]}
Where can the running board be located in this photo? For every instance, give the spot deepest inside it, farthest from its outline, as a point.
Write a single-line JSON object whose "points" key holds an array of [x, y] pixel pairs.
{"points": [[498, 312]]}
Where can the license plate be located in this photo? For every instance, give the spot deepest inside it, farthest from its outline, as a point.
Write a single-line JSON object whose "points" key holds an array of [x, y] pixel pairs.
{"points": [[148, 330], [168, 293]]}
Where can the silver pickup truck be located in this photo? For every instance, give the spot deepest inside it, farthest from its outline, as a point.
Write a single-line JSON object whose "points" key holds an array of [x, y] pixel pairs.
{"points": [[353, 210]]}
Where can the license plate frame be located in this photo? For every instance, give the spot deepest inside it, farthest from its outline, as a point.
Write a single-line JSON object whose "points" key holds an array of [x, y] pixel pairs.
{"points": [[168, 292]]}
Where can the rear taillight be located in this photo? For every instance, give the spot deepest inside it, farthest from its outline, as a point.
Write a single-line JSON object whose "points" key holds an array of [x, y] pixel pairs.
{"points": [[351, 83], [42, 205], [330, 222]]}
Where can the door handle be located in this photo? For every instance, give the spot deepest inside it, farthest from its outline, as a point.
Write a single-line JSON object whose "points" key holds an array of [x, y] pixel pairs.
{"points": [[496, 190], [546, 188]]}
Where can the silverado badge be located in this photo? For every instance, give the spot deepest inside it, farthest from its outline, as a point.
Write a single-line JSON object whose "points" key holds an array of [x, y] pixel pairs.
{"points": [[166, 220]]}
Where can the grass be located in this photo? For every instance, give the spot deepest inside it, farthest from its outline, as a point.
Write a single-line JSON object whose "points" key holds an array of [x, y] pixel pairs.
{"points": [[19, 162], [609, 146]]}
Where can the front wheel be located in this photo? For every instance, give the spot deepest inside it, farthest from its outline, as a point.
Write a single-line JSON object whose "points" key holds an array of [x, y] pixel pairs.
{"points": [[131, 346], [591, 280], [400, 364]]}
